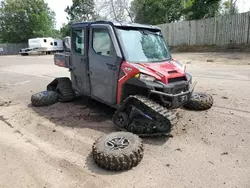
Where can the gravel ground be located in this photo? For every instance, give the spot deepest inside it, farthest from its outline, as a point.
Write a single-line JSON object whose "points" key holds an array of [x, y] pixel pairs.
{"points": [[51, 146]]}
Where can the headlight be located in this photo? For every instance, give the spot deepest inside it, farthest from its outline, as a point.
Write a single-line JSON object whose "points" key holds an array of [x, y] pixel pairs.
{"points": [[146, 77], [179, 65]]}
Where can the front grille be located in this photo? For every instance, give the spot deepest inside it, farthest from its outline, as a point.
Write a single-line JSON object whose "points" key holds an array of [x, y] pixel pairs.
{"points": [[159, 89], [171, 80], [180, 90]]}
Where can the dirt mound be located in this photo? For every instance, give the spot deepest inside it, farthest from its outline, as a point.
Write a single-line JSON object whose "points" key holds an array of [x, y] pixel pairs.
{"points": [[4, 102]]}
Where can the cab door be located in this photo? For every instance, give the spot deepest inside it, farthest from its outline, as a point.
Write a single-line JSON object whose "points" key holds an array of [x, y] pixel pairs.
{"points": [[79, 76], [104, 62]]}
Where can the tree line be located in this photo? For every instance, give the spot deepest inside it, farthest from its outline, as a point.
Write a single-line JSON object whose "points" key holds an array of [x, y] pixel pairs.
{"points": [[24, 19]]}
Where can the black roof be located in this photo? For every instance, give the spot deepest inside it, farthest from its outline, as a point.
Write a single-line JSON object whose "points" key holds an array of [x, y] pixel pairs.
{"points": [[115, 23]]}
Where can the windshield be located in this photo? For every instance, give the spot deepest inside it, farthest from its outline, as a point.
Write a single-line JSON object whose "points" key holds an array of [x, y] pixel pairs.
{"points": [[140, 45]]}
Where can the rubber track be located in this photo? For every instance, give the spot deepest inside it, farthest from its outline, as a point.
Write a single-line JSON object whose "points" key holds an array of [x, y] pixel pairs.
{"points": [[64, 88], [155, 107]]}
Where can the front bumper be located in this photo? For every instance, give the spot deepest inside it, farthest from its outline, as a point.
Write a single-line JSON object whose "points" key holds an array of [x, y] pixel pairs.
{"points": [[173, 95], [175, 100]]}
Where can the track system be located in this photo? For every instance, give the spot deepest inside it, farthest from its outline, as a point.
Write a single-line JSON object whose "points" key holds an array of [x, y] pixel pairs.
{"points": [[144, 117]]}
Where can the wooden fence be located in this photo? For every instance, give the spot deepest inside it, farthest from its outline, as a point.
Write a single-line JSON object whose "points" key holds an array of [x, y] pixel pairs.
{"points": [[219, 31], [11, 49]]}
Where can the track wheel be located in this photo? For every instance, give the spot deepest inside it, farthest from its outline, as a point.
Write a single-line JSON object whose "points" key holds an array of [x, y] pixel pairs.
{"points": [[149, 128], [118, 151], [121, 119], [136, 127], [199, 101], [63, 87], [163, 126]]}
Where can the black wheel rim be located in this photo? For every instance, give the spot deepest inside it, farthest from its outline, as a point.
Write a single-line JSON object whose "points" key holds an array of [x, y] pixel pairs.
{"points": [[120, 121], [117, 143]]}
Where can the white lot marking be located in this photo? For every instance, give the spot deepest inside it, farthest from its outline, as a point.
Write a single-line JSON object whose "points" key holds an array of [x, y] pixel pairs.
{"points": [[35, 70], [231, 111], [19, 83], [29, 57]]}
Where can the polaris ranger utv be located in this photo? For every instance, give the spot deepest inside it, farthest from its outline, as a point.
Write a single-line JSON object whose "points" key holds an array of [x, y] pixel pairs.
{"points": [[127, 66]]}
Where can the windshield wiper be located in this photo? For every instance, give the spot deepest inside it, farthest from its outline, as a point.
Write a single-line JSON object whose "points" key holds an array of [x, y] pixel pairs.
{"points": [[146, 32], [160, 60]]}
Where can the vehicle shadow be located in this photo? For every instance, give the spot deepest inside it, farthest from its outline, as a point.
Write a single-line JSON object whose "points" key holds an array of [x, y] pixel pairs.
{"points": [[85, 113], [94, 168], [81, 113]]}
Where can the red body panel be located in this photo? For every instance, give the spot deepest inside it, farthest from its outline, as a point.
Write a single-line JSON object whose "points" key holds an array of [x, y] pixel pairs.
{"points": [[129, 71], [161, 71]]}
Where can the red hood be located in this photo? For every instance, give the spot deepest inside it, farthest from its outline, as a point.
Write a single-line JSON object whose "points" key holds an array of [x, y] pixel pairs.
{"points": [[161, 71]]}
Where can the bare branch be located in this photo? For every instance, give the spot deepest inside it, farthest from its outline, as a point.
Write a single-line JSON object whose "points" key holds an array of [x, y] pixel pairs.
{"points": [[129, 14], [114, 9]]}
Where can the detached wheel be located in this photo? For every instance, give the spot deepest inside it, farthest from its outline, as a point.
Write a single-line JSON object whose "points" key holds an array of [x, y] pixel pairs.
{"points": [[63, 87], [118, 151], [44, 98], [199, 101]]}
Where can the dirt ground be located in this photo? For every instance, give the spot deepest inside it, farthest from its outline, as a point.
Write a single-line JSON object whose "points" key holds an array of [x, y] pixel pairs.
{"points": [[51, 146]]}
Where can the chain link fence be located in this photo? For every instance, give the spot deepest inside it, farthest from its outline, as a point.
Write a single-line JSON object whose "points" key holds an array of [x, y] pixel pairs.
{"points": [[11, 49]]}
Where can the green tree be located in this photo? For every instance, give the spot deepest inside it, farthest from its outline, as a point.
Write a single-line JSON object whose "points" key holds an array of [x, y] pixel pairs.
{"points": [[156, 11], [200, 9], [65, 30], [24, 19], [187, 3], [56, 33], [81, 10], [229, 7]]}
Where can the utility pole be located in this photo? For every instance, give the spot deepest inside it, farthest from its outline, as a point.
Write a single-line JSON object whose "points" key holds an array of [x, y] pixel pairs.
{"points": [[184, 2]]}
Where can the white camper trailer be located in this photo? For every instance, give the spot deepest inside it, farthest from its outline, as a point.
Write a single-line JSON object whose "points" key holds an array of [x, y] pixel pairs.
{"points": [[43, 45]]}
